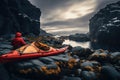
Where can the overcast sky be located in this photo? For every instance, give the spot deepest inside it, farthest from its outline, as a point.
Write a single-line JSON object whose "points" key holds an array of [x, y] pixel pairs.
{"points": [[64, 17]]}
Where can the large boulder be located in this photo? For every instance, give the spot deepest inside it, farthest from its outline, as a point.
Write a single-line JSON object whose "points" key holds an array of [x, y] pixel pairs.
{"points": [[19, 15], [4, 75], [105, 25], [110, 73]]}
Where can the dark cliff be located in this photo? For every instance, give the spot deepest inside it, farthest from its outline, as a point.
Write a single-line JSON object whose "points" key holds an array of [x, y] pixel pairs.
{"points": [[105, 25], [19, 15]]}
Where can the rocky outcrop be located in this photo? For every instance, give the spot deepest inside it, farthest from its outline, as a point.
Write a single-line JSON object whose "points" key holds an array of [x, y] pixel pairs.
{"points": [[79, 37], [105, 25], [19, 15]]}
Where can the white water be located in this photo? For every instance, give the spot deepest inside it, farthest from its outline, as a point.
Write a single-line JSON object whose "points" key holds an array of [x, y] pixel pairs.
{"points": [[74, 43]]}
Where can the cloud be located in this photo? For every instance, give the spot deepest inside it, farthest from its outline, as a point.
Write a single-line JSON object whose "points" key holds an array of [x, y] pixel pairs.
{"points": [[53, 10], [66, 31], [76, 22], [102, 3], [58, 15]]}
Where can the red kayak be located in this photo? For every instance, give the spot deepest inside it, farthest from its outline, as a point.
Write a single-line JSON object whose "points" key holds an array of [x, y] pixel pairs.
{"points": [[17, 55]]}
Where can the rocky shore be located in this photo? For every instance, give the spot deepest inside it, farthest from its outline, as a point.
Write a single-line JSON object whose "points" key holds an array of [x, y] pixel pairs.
{"points": [[76, 63]]}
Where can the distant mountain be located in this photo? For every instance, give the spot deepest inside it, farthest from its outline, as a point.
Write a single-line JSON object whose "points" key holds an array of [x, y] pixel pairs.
{"points": [[105, 25], [19, 15]]}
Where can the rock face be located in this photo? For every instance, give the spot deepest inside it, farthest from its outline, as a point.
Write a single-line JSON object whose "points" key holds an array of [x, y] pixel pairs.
{"points": [[105, 25], [19, 15]]}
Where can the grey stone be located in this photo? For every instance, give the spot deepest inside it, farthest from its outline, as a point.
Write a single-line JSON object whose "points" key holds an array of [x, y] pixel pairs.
{"points": [[71, 78], [110, 73], [89, 75], [3, 73]]}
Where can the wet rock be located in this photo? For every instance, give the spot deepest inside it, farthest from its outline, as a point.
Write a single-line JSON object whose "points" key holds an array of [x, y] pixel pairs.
{"points": [[89, 75], [33, 69], [78, 71], [3, 73], [46, 60], [60, 58], [70, 47], [49, 66], [88, 63], [63, 37], [115, 55], [91, 66], [81, 52], [77, 49], [3, 51], [73, 63], [100, 55], [71, 78], [101, 51], [51, 69], [5, 47], [115, 58], [110, 73]]}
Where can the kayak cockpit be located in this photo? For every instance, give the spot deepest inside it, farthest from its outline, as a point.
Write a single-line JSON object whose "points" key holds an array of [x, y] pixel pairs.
{"points": [[34, 47]]}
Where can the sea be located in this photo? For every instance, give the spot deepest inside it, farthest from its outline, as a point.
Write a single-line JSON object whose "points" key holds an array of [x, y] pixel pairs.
{"points": [[74, 43], [57, 32]]}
